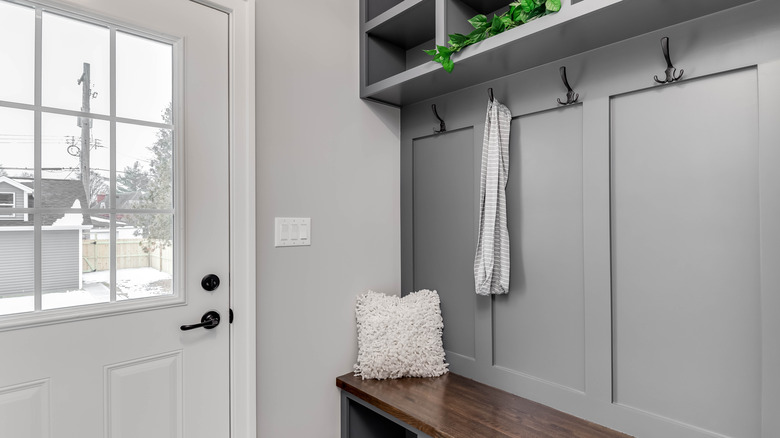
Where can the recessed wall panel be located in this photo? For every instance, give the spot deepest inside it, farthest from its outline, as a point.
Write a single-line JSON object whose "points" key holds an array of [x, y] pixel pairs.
{"points": [[685, 253], [24, 410], [538, 328], [144, 398], [445, 232]]}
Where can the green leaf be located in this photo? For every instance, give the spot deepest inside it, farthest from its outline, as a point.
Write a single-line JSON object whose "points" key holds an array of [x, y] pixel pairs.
{"points": [[527, 5], [458, 39], [448, 65], [553, 5], [476, 37], [496, 26], [507, 20], [444, 50], [430, 52], [479, 21]]}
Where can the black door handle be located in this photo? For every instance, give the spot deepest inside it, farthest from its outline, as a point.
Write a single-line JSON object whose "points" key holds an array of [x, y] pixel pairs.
{"points": [[208, 321]]}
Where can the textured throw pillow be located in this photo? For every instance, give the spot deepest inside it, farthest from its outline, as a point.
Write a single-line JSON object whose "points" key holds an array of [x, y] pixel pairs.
{"points": [[399, 337]]}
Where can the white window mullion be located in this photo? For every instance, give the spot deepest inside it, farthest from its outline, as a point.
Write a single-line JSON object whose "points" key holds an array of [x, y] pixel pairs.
{"points": [[112, 149], [38, 220]]}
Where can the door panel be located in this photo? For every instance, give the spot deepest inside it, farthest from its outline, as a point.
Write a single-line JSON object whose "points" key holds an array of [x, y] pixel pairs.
{"points": [[538, 325], [445, 231], [124, 368], [685, 242]]}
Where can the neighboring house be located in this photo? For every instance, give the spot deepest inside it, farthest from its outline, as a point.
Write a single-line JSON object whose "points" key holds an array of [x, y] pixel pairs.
{"points": [[101, 229], [61, 236]]}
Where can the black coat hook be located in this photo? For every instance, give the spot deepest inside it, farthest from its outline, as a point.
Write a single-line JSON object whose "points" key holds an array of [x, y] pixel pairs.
{"points": [[442, 126], [671, 72], [571, 96], [490, 94]]}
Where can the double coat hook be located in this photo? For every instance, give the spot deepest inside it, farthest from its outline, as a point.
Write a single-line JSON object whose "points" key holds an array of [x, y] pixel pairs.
{"points": [[571, 96], [442, 126], [671, 72]]}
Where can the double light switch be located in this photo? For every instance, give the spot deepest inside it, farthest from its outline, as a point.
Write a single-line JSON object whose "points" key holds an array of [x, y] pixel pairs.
{"points": [[292, 231]]}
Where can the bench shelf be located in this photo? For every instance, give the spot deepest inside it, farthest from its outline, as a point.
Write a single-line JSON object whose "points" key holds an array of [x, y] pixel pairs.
{"points": [[451, 406]]}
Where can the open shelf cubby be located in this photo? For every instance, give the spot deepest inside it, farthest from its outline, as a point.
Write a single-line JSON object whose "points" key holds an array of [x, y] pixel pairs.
{"points": [[460, 11], [395, 44], [374, 8]]}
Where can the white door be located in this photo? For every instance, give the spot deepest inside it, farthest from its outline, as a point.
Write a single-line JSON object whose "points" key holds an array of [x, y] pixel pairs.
{"points": [[114, 140]]}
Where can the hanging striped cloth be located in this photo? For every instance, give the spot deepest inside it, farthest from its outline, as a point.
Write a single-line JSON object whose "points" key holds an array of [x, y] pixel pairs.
{"points": [[491, 264]]}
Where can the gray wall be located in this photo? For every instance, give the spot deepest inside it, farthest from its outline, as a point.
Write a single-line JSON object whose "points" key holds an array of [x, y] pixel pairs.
{"points": [[325, 154], [644, 226], [60, 264]]}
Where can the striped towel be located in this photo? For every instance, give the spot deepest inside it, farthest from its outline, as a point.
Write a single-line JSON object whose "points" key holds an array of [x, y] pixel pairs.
{"points": [[491, 264]]}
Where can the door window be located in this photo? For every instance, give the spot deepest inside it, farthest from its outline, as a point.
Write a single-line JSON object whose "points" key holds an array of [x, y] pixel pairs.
{"points": [[87, 129]]}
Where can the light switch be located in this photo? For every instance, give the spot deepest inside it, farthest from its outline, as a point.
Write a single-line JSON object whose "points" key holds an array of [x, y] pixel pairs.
{"points": [[292, 231]]}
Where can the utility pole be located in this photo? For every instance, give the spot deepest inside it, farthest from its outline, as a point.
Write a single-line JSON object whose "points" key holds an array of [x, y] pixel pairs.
{"points": [[85, 123]]}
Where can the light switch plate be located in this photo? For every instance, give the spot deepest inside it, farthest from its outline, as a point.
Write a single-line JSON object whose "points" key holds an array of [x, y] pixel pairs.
{"points": [[292, 231]]}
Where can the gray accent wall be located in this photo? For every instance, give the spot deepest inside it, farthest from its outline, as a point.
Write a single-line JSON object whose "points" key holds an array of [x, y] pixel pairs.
{"points": [[645, 231]]}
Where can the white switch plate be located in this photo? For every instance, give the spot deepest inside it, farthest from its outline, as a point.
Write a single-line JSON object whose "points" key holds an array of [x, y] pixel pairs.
{"points": [[292, 231]]}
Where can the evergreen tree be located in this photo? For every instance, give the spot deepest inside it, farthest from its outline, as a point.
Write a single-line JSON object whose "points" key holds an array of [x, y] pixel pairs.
{"points": [[157, 229], [132, 179]]}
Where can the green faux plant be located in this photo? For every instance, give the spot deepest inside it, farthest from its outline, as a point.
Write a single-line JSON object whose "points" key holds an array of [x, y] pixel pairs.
{"points": [[520, 12]]}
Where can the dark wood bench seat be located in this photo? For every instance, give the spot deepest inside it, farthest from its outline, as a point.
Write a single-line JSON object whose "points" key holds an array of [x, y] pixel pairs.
{"points": [[452, 406]]}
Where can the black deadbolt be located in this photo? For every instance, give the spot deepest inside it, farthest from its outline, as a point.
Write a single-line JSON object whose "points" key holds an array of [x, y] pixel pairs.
{"points": [[210, 282]]}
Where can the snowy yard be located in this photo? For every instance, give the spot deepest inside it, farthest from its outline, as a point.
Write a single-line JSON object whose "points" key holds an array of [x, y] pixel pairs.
{"points": [[131, 284]]}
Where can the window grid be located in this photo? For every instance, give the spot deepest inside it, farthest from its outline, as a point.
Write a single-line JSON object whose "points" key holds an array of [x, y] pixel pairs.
{"points": [[38, 110]]}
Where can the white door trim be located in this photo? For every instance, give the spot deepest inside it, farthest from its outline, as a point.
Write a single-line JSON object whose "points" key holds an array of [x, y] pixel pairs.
{"points": [[243, 339]]}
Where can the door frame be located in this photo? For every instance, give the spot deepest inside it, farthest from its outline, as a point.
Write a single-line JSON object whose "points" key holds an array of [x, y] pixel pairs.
{"points": [[243, 337]]}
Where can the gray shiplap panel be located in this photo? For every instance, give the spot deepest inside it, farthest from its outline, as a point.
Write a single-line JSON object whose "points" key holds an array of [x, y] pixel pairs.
{"points": [[685, 242], [538, 326], [60, 263], [16, 262], [444, 231]]}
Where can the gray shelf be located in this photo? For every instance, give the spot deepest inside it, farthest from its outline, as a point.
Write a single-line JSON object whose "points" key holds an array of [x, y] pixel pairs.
{"points": [[580, 26], [394, 41], [374, 8]]}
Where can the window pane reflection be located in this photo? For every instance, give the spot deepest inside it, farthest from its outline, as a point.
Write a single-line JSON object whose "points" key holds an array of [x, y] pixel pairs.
{"points": [[144, 78], [17, 53], [70, 48]]}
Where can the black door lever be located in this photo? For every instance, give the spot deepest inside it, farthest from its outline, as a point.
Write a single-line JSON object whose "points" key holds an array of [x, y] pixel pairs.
{"points": [[209, 321]]}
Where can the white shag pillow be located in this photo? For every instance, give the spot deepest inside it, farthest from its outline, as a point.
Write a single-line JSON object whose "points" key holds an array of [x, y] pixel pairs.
{"points": [[399, 337]]}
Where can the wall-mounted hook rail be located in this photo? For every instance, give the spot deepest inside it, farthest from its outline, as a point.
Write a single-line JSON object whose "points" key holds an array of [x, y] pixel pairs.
{"points": [[671, 72], [490, 94], [442, 126], [571, 96]]}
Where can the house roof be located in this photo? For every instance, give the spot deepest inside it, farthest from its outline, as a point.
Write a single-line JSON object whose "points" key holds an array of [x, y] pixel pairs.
{"points": [[14, 183], [55, 193]]}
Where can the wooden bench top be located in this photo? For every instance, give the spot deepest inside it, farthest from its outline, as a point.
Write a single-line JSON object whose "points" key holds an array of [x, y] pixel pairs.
{"points": [[452, 406]]}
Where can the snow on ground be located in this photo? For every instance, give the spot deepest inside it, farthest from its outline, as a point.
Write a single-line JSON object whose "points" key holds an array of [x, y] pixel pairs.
{"points": [[131, 284]]}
